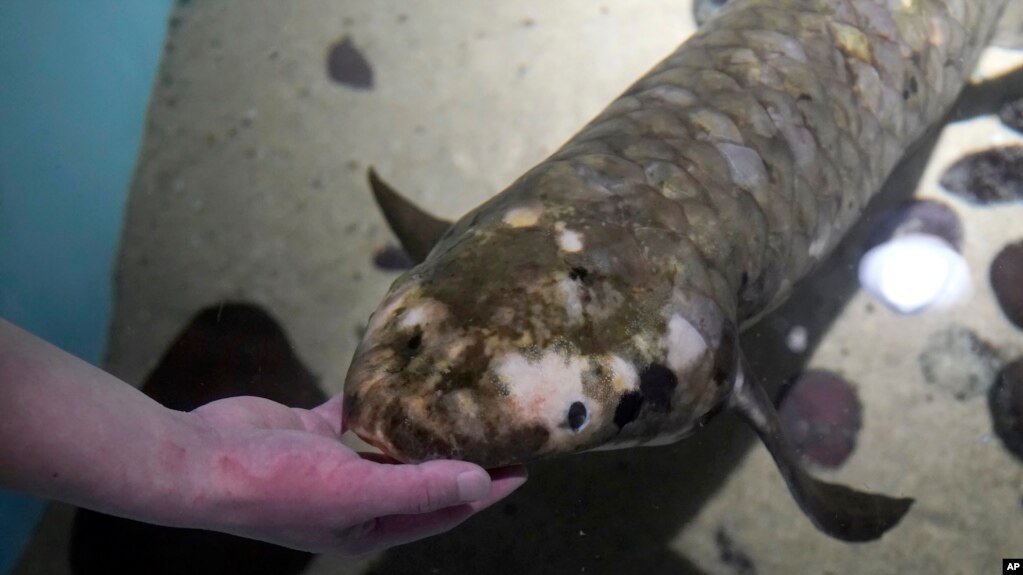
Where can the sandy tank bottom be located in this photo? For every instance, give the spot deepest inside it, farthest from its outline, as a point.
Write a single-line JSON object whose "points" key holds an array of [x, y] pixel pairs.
{"points": [[251, 188]]}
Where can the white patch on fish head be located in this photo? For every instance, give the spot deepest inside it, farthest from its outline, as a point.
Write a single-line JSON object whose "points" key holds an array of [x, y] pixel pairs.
{"points": [[624, 377], [387, 308], [546, 390], [405, 325], [457, 347], [422, 320], [568, 291], [525, 216], [471, 423], [570, 241], [684, 343], [412, 317]]}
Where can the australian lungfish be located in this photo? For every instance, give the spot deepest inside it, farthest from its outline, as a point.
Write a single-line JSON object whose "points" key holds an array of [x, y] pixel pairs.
{"points": [[596, 302]]}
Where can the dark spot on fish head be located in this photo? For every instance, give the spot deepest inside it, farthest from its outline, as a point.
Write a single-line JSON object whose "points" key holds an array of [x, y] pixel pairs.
{"points": [[657, 383], [578, 416], [1006, 276], [821, 416], [578, 274], [1006, 404], [628, 408], [346, 65]]}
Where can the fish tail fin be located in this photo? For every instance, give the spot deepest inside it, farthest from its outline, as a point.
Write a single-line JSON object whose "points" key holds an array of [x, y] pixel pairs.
{"points": [[839, 511]]}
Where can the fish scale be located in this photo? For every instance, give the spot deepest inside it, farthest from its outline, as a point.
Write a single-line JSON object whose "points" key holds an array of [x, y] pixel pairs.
{"points": [[822, 119], [596, 302]]}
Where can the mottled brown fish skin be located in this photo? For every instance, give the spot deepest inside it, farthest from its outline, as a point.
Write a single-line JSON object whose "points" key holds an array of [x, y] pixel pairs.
{"points": [[617, 273]]}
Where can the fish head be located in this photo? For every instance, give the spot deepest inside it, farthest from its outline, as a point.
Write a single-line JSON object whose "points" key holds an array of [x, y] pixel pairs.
{"points": [[527, 333]]}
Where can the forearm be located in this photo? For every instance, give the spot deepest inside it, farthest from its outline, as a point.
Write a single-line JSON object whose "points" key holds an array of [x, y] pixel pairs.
{"points": [[242, 465], [71, 432]]}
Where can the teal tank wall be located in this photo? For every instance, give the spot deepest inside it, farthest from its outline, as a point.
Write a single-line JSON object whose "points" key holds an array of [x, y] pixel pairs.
{"points": [[75, 79]]}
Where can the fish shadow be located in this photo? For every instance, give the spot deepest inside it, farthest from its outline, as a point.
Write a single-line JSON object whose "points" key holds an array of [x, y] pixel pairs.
{"points": [[619, 511], [227, 350]]}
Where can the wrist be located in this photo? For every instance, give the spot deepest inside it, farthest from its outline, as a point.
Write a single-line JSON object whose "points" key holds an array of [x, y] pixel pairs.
{"points": [[177, 486]]}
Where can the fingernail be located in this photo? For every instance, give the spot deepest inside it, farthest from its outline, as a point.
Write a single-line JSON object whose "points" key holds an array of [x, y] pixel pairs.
{"points": [[473, 486]]}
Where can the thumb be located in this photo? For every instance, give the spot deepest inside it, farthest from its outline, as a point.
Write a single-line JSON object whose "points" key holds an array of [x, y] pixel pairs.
{"points": [[426, 487]]}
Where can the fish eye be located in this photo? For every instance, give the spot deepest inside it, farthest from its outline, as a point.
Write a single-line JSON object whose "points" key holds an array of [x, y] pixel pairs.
{"points": [[578, 416], [415, 341]]}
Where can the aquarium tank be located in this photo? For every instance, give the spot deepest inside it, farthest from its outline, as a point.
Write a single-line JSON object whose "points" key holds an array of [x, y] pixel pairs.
{"points": [[672, 286]]}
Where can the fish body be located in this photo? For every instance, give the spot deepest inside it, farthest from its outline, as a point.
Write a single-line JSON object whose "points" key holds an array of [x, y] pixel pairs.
{"points": [[596, 302]]}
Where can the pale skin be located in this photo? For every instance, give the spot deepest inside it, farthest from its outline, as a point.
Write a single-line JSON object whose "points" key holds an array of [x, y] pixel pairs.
{"points": [[245, 465]]}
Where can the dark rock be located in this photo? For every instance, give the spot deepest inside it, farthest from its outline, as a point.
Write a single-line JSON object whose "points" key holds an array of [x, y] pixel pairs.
{"points": [[392, 258], [347, 66], [1006, 276], [1006, 404], [992, 176], [918, 217], [821, 416]]}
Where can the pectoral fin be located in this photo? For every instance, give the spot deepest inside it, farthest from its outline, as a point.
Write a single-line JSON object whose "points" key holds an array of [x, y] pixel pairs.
{"points": [[417, 230], [837, 510]]}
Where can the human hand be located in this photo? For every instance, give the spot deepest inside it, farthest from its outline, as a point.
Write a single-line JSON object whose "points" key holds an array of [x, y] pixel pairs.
{"points": [[281, 475]]}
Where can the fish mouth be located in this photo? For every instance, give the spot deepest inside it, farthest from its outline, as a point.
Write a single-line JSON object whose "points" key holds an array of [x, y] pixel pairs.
{"points": [[366, 382], [409, 435], [381, 446], [388, 411]]}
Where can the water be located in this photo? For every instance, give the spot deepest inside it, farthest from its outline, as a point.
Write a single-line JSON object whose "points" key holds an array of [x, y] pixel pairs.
{"points": [[251, 187]]}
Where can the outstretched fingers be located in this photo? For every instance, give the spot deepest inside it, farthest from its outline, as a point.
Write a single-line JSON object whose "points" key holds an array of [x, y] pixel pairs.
{"points": [[428, 515], [426, 487]]}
